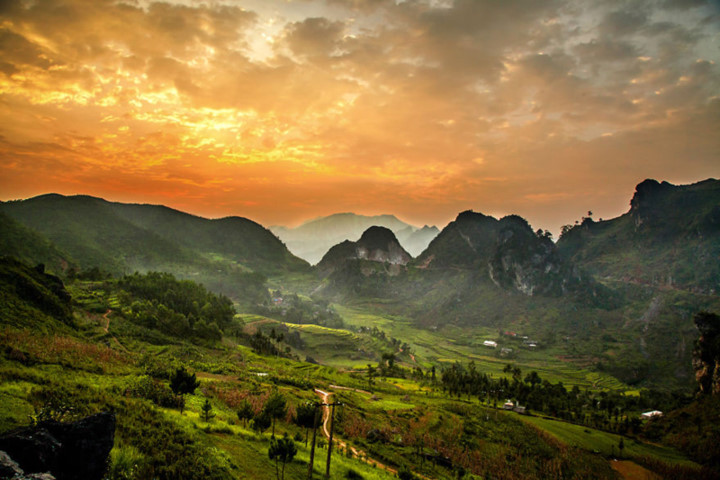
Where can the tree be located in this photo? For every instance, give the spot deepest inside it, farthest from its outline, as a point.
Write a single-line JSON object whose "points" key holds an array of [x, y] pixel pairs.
{"points": [[516, 374], [261, 422], [405, 474], [282, 451], [207, 411], [245, 412], [390, 359], [182, 382], [275, 407], [305, 417], [533, 378], [370, 374], [621, 446], [513, 370]]}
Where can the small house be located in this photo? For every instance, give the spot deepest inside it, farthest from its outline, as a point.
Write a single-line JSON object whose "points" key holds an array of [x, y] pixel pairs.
{"points": [[651, 414], [490, 343], [508, 405]]}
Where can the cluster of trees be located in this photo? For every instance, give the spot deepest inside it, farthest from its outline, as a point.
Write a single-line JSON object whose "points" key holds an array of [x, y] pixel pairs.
{"points": [[604, 410], [265, 345], [275, 407], [381, 335], [175, 307], [294, 309]]}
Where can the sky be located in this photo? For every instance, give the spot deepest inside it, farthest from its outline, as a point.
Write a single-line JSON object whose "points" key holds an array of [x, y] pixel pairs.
{"points": [[282, 111]]}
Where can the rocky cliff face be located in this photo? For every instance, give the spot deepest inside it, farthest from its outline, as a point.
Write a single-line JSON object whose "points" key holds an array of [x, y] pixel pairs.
{"points": [[506, 250], [525, 261], [377, 244], [64, 451], [646, 204], [706, 354], [669, 238]]}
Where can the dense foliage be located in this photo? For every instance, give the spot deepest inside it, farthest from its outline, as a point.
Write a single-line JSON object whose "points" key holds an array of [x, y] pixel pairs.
{"points": [[175, 307], [605, 410], [293, 309]]}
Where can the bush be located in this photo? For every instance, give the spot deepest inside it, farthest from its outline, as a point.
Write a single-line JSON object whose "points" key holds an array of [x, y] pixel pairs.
{"points": [[155, 391], [125, 462], [169, 451], [353, 475], [405, 474]]}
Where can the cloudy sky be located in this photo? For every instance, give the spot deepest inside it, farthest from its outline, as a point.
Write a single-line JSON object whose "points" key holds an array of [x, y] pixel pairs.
{"points": [[281, 111]]}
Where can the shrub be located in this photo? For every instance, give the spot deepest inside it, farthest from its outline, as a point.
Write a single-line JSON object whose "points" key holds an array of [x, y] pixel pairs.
{"points": [[353, 475], [155, 391]]}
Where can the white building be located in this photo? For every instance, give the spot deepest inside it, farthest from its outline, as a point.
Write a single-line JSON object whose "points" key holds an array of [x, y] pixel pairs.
{"points": [[490, 343], [651, 414]]}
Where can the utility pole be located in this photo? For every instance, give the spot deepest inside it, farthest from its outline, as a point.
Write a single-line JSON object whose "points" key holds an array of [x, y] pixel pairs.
{"points": [[330, 439], [312, 447]]}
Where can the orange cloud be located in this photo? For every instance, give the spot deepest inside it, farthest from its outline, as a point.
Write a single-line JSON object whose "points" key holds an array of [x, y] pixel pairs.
{"points": [[281, 111]]}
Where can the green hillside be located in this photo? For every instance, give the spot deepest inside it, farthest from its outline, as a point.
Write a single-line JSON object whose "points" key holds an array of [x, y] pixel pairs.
{"points": [[123, 346], [121, 238], [89, 230], [30, 246], [235, 239], [669, 239], [231, 256]]}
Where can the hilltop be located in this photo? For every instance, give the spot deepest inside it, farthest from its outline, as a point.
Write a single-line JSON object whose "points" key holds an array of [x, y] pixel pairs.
{"points": [[670, 238], [231, 255], [314, 238]]}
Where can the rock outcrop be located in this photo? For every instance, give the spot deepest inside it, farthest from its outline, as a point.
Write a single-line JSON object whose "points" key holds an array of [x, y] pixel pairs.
{"points": [[377, 244], [706, 354], [505, 251], [67, 451]]}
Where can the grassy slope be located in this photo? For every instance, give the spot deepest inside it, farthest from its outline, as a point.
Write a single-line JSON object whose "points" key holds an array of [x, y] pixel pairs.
{"points": [[456, 344], [94, 368], [604, 442]]}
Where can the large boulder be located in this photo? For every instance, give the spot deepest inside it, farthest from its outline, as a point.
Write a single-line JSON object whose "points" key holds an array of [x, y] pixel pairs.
{"points": [[69, 451]]}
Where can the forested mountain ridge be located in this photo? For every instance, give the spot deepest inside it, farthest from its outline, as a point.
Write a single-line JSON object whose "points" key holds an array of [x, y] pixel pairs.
{"points": [[31, 247], [669, 238], [507, 250], [125, 237]]}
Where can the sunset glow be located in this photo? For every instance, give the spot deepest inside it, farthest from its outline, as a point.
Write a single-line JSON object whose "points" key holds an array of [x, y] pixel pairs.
{"points": [[281, 111]]}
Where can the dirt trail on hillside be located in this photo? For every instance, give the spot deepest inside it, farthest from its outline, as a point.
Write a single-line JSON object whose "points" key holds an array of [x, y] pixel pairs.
{"points": [[336, 441], [339, 443], [106, 329]]}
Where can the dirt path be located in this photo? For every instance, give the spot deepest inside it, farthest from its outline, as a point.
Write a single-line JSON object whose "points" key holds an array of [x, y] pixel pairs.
{"points": [[106, 329], [357, 453], [106, 316]]}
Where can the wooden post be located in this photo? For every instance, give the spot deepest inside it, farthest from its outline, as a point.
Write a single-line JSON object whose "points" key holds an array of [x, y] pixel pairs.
{"points": [[312, 447], [332, 424]]}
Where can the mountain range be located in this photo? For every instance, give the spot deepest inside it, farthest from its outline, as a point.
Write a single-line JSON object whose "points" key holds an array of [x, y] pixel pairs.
{"points": [[231, 255], [621, 291], [314, 238]]}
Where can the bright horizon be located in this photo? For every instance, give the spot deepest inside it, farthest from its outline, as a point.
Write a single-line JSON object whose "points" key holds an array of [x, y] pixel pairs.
{"points": [[285, 111]]}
